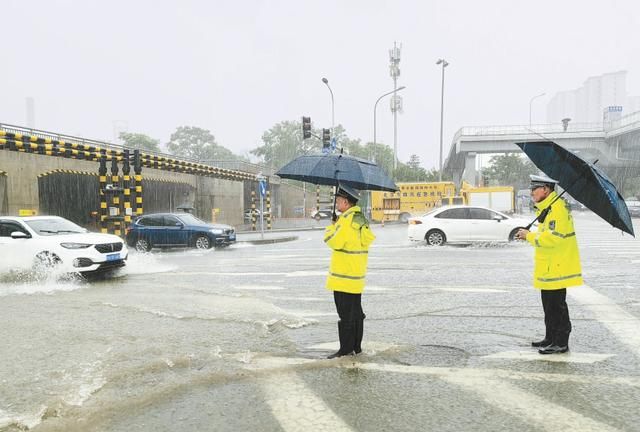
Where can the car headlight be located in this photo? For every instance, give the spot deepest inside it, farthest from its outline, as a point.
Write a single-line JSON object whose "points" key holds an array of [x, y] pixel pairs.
{"points": [[75, 245], [216, 231]]}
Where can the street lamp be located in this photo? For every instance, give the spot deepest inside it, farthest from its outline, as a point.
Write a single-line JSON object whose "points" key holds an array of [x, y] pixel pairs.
{"points": [[374, 113], [530, 102], [444, 64], [333, 119]]}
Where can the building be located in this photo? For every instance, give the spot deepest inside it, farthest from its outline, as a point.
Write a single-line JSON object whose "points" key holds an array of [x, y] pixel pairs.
{"points": [[587, 103]]}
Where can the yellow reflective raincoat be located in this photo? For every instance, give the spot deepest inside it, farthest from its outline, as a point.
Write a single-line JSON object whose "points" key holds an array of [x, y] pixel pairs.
{"points": [[557, 260], [349, 238]]}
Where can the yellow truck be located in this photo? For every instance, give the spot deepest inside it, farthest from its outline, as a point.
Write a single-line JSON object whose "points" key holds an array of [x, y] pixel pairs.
{"points": [[413, 199], [499, 198]]}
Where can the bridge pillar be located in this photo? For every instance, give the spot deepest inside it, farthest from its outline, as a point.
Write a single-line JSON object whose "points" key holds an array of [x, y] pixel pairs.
{"points": [[469, 173]]}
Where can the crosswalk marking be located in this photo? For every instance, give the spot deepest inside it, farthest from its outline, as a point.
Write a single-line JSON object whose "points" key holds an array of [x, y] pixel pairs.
{"points": [[534, 409], [570, 357], [297, 408], [622, 324]]}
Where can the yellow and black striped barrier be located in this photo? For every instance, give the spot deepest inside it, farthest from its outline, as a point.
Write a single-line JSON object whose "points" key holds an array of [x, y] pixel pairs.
{"points": [[102, 172], [14, 141], [253, 210], [268, 209], [115, 212], [126, 189]]}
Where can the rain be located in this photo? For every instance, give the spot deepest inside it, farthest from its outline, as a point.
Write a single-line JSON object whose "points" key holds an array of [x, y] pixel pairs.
{"points": [[361, 216]]}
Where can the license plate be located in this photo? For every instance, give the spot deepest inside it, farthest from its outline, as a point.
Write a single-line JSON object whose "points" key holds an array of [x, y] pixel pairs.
{"points": [[113, 257]]}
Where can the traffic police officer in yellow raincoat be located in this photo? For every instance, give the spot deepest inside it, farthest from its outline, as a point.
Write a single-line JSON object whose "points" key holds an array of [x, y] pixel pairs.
{"points": [[349, 237], [557, 262]]}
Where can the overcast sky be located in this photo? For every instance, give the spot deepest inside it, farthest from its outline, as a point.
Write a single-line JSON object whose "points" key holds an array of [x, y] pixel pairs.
{"points": [[238, 67]]}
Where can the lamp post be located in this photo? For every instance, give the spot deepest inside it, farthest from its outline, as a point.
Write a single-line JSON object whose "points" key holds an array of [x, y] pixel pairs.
{"points": [[444, 64], [375, 106], [333, 119], [531, 102]]}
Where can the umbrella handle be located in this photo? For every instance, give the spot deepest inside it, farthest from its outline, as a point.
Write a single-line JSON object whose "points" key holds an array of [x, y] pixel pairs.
{"points": [[334, 216], [543, 214]]}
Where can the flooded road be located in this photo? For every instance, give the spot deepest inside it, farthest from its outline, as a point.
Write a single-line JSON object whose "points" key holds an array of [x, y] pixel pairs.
{"points": [[235, 340]]}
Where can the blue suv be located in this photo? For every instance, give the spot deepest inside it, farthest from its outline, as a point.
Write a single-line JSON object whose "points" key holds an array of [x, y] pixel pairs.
{"points": [[177, 230]]}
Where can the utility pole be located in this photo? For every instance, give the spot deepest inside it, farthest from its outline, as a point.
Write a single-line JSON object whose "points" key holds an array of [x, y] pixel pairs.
{"points": [[396, 101], [444, 64]]}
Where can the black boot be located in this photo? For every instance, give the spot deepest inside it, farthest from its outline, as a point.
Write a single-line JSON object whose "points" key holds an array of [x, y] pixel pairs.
{"points": [[554, 349], [542, 344], [345, 335], [359, 327]]}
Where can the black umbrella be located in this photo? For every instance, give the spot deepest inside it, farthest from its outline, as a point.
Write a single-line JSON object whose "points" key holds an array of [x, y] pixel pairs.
{"points": [[582, 180], [333, 169]]}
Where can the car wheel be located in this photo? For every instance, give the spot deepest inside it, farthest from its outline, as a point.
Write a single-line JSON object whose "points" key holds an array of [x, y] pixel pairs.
{"points": [[202, 242], [143, 245], [512, 234], [435, 237], [46, 261], [317, 217]]}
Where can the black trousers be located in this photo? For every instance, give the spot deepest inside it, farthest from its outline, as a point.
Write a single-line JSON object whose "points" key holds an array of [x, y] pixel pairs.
{"points": [[350, 326], [556, 316]]}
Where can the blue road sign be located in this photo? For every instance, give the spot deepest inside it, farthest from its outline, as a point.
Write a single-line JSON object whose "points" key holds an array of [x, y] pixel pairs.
{"points": [[263, 188], [334, 144]]}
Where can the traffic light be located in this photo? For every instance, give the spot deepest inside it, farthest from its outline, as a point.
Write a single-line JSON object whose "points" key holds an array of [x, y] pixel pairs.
{"points": [[306, 127], [326, 138]]}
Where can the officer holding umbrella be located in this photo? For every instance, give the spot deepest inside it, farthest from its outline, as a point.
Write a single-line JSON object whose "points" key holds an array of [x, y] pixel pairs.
{"points": [[349, 237], [557, 262]]}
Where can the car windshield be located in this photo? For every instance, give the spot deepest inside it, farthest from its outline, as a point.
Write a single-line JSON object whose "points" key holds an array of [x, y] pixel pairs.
{"points": [[430, 212], [190, 219], [54, 226]]}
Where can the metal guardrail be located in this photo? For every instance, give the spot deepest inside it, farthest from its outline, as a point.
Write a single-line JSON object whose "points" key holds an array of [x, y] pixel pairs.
{"points": [[526, 129]]}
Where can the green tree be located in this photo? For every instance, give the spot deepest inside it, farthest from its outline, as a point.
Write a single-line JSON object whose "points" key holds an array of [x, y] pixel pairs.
{"points": [[140, 141], [200, 144], [510, 169], [283, 142], [413, 172]]}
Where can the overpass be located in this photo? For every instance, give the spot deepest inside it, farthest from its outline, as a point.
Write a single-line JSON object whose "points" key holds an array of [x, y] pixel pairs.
{"points": [[615, 144]]}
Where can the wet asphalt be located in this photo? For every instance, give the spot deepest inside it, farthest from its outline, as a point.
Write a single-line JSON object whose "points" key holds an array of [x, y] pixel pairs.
{"points": [[235, 339]]}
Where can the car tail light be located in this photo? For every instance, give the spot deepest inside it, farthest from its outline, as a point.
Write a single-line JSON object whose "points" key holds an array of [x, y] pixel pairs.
{"points": [[415, 222]]}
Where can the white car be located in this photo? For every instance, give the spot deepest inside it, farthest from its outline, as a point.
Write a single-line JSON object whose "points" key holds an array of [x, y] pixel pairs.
{"points": [[464, 224], [46, 242]]}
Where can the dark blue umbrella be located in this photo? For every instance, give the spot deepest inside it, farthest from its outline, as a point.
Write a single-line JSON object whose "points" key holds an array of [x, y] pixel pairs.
{"points": [[333, 169], [582, 180]]}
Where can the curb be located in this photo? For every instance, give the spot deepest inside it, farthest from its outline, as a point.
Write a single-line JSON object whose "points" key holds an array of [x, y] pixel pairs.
{"points": [[269, 241], [292, 229]]}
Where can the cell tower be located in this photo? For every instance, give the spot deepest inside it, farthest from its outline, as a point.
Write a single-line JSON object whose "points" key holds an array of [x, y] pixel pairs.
{"points": [[396, 101]]}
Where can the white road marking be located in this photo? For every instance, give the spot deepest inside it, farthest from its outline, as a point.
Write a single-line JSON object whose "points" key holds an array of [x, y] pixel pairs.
{"points": [[512, 400], [622, 324], [258, 287], [478, 290], [491, 384], [304, 273], [367, 347], [570, 357], [297, 408]]}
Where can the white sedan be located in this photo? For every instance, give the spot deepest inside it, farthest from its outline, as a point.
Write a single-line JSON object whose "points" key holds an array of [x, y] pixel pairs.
{"points": [[47, 242], [464, 224]]}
